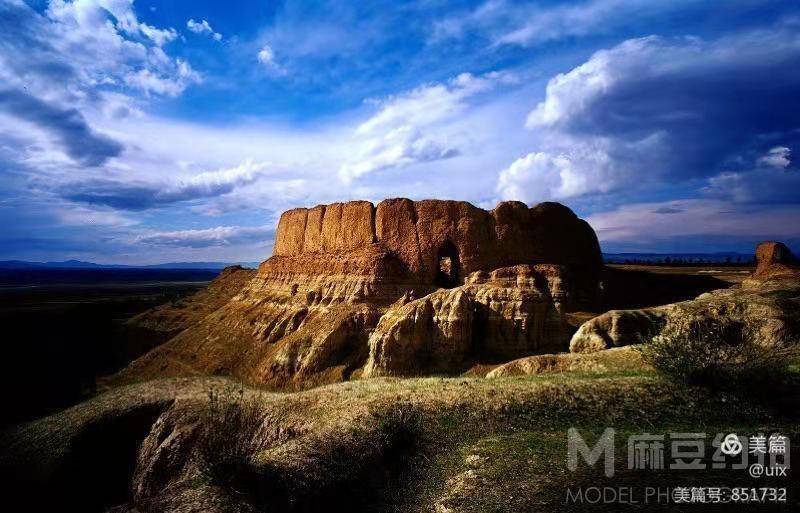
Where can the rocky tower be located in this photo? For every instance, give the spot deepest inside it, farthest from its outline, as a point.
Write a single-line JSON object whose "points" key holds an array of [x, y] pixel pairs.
{"points": [[404, 287]]}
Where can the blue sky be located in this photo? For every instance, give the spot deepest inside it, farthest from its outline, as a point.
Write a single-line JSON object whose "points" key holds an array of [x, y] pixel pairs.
{"points": [[144, 131]]}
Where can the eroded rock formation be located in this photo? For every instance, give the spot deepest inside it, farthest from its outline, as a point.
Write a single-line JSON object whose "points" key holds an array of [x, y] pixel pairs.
{"points": [[403, 288], [766, 304], [497, 316]]}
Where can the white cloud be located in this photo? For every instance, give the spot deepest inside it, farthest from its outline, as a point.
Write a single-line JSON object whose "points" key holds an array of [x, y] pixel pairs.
{"points": [[101, 40], [574, 166], [778, 157], [428, 104], [571, 94], [93, 15], [397, 148], [407, 128], [203, 27], [150, 82], [572, 19], [213, 183], [74, 215], [539, 176], [139, 194], [159, 36], [266, 56], [208, 237], [771, 180]]}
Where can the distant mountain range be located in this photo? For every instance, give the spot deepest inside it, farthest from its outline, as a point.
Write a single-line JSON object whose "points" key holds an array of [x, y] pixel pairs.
{"points": [[78, 264], [713, 258]]}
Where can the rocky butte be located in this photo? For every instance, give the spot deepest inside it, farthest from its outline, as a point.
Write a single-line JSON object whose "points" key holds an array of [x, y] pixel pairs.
{"points": [[402, 288]]}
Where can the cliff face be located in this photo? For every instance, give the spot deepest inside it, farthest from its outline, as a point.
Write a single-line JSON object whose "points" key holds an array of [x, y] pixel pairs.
{"points": [[442, 283], [420, 233]]}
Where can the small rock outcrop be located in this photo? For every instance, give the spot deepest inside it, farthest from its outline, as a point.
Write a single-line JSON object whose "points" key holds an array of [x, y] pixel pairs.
{"points": [[617, 328], [774, 261], [404, 287]]}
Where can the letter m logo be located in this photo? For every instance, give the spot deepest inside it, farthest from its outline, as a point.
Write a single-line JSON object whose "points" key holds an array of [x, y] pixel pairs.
{"points": [[576, 445]]}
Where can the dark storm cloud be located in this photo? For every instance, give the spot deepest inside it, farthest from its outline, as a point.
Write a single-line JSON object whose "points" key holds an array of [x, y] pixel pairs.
{"points": [[139, 195], [69, 127], [667, 210], [115, 194]]}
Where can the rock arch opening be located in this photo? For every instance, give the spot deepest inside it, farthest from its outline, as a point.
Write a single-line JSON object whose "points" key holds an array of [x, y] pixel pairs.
{"points": [[448, 266]]}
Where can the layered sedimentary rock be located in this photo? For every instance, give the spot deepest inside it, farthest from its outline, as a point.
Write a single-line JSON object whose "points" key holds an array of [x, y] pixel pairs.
{"points": [[497, 316], [441, 283], [431, 334], [767, 305]]}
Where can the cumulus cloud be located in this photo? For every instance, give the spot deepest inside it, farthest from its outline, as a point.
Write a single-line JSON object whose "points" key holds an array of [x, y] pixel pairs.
{"points": [[541, 175], [653, 109], [778, 157], [74, 47], [151, 82], [527, 176], [266, 56], [209, 237], [106, 15], [404, 130], [139, 195], [203, 27]]}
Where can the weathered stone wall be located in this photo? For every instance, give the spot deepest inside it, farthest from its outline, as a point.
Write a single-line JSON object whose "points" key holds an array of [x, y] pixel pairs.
{"points": [[415, 231]]}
